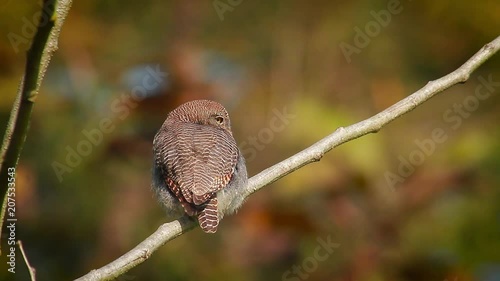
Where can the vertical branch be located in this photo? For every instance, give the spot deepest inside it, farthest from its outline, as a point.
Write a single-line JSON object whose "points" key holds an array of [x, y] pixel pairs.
{"points": [[38, 57]]}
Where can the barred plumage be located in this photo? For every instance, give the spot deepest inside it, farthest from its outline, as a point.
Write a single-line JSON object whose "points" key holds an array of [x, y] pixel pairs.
{"points": [[196, 159]]}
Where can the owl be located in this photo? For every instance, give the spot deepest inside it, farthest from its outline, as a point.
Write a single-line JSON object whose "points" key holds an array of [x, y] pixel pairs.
{"points": [[198, 168]]}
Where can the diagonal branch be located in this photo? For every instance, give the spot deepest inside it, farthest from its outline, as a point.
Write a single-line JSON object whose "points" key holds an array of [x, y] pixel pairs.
{"points": [[31, 269], [171, 230], [373, 124]]}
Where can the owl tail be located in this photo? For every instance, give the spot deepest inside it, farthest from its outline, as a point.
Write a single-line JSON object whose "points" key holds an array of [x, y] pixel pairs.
{"points": [[208, 218]]}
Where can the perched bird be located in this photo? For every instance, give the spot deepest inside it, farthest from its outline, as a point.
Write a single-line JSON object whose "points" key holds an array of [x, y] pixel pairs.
{"points": [[198, 168]]}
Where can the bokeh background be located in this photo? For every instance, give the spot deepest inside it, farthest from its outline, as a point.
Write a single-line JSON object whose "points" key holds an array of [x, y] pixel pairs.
{"points": [[439, 221]]}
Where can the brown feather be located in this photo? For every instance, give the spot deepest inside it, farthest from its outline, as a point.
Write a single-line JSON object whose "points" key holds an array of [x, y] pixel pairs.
{"points": [[197, 159]]}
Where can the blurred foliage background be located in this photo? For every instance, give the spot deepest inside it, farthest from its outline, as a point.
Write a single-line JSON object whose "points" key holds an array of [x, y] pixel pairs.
{"points": [[440, 220]]}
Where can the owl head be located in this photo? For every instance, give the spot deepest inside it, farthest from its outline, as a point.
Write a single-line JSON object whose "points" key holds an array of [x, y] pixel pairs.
{"points": [[203, 112]]}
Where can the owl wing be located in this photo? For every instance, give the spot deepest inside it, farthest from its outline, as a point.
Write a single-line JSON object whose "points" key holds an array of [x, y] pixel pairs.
{"points": [[196, 162]]}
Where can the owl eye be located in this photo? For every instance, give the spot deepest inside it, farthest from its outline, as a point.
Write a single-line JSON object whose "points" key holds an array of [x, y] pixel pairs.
{"points": [[219, 119]]}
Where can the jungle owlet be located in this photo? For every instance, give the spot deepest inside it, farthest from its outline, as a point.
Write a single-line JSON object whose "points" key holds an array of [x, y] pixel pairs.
{"points": [[198, 168]]}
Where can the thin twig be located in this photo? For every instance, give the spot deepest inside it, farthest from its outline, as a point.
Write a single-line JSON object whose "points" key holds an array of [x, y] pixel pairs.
{"points": [[171, 230], [31, 269]]}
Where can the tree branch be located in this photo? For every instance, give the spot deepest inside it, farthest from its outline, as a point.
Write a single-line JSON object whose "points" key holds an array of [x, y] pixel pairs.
{"points": [[31, 269], [373, 124], [43, 46], [171, 230]]}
